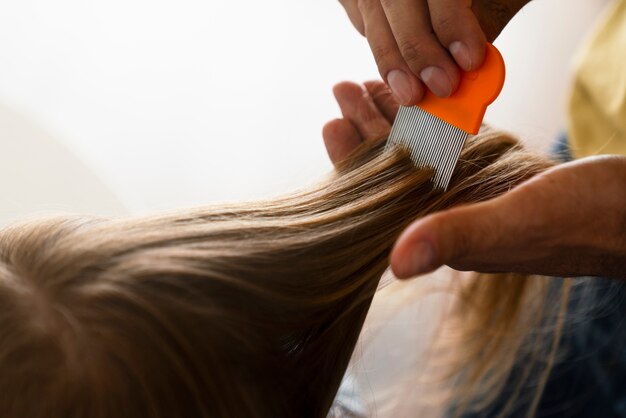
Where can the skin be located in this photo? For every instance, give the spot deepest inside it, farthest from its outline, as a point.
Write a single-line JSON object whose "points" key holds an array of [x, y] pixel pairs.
{"points": [[569, 221], [418, 43]]}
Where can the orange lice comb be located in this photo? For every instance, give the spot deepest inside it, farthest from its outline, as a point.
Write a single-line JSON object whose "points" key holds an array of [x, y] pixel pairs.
{"points": [[436, 129]]}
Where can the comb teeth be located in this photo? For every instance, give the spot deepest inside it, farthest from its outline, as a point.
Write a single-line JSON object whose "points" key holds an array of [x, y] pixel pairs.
{"points": [[432, 142]]}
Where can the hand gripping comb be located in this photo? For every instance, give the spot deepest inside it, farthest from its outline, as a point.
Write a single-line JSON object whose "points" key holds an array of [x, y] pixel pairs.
{"points": [[435, 130]]}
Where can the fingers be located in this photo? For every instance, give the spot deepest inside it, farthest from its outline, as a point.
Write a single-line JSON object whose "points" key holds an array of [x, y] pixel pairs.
{"points": [[425, 43], [461, 236], [547, 225], [383, 98], [340, 138], [352, 9], [365, 118], [421, 50], [458, 29], [393, 68], [358, 107]]}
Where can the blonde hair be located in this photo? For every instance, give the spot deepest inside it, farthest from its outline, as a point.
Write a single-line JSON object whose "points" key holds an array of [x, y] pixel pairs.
{"points": [[244, 310]]}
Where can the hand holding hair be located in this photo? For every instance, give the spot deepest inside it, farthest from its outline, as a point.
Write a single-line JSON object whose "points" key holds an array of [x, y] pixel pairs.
{"points": [[568, 221], [417, 42]]}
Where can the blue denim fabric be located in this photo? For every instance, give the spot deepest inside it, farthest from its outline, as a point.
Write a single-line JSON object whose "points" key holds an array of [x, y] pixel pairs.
{"points": [[589, 377], [560, 149]]}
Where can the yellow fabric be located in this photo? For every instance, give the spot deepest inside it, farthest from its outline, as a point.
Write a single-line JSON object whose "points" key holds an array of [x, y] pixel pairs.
{"points": [[597, 108]]}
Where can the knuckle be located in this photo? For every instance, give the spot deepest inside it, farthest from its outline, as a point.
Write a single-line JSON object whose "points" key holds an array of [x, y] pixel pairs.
{"points": [[384, 55], [413, 50], [446, 26]]}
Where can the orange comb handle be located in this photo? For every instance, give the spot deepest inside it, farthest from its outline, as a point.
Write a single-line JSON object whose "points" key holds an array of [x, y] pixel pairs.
{"points": [[466, 107]]}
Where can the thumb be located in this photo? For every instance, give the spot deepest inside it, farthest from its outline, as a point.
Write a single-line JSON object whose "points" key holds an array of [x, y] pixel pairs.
{"points": [[461, 236]]}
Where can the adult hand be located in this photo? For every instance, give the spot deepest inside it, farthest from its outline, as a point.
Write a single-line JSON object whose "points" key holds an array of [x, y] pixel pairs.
{"points": [[568, 221], [426, 41], [368, 112]]}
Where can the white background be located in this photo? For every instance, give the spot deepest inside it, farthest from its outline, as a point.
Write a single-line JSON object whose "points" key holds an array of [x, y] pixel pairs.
{"points": [[175, 103]]}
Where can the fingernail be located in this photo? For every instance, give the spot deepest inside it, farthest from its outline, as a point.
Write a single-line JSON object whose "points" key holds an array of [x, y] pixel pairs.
{"points": [[437, 81], [461, 55], [420, 261], [400, 85]]}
